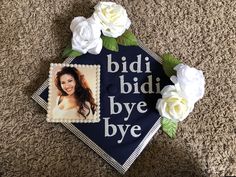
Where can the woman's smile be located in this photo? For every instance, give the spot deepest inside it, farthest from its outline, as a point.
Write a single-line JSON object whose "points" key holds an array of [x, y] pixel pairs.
{"points": [[68, 83]]}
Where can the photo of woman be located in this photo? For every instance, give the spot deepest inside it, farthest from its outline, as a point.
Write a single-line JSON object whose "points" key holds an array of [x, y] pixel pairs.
{"points": [[74, 99]]}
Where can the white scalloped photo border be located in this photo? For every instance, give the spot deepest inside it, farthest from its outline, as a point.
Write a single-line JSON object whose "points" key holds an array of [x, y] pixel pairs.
{"points": [[96, 94]]}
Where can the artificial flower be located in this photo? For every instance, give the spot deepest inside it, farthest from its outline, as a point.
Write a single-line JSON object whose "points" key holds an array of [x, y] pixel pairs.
{"points": [[86, 35], [112, 18], [190, 82], [172, 105]]}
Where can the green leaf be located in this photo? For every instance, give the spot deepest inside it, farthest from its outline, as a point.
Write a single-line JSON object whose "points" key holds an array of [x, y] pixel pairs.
{"points": [[169, 127], [110, 43], [74, 53], [127, 39], [68, 52], [169, 62]]}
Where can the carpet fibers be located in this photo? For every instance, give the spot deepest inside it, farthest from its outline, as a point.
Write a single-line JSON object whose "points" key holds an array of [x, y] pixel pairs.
{"points": [[202, 33]]}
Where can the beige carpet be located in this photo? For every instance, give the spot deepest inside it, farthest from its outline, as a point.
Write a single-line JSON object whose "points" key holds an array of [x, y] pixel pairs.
{"points": [[200, 32]]}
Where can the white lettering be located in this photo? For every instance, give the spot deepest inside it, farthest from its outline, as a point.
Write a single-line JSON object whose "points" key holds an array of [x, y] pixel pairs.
{"points": [[125, 87], [122, 131], [114, 105], [129, 109], [107, 125], [135, 128], [110, 64], [137, 63]]}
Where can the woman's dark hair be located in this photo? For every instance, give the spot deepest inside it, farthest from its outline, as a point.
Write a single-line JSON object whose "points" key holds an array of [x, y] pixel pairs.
{"points": [[82, 93]]}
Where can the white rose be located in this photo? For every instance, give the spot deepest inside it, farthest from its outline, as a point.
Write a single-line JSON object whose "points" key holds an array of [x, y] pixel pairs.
{"points": [[172, 105], [86, 35], [190, 81], [112, 17]]}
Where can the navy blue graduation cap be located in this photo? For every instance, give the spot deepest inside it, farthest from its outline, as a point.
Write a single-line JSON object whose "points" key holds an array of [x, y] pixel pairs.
{"points": [[130, 84]]}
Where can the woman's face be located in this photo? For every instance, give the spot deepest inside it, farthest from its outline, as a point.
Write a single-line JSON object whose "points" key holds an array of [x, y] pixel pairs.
{"points": [[68, 83]]}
